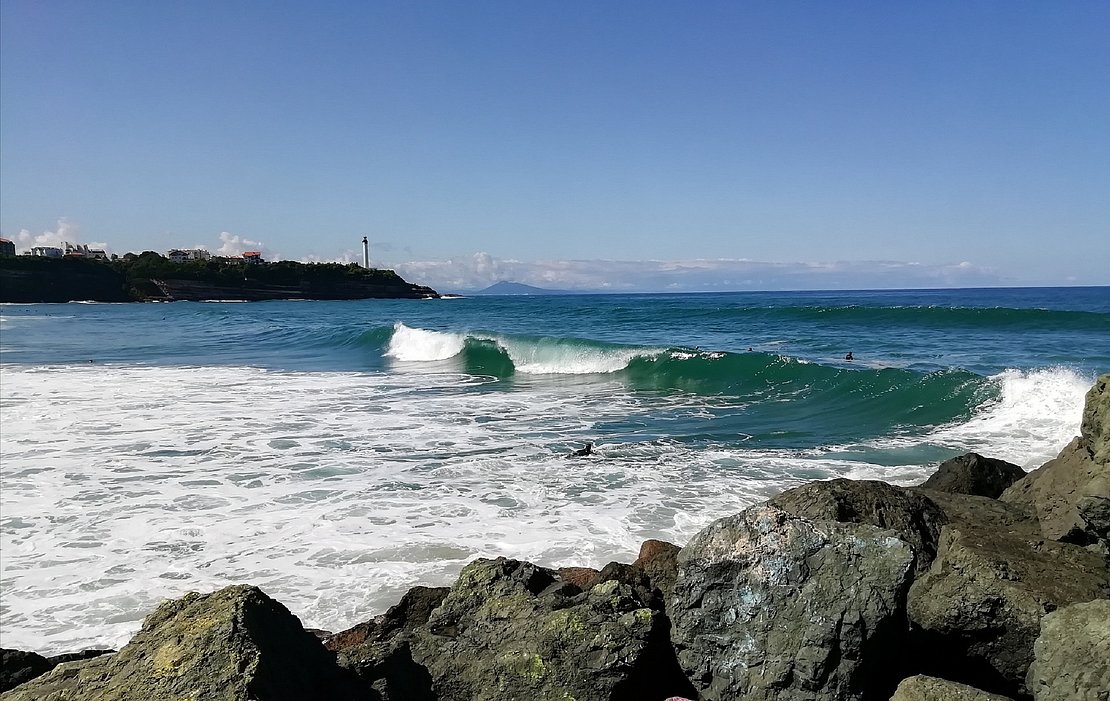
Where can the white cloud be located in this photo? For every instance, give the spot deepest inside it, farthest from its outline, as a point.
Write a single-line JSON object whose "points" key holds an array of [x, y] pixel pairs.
{"points": [[66, 231], [482, 269], [234, 245]]}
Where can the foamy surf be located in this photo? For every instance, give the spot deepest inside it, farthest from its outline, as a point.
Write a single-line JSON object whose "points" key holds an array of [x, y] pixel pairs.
{"points": [[530, 356], [1036, 413], [420, 345], [335, 492]]}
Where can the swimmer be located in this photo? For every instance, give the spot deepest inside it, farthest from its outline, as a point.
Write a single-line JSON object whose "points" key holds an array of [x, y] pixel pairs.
{"points": [[583, 452], [849, 356]]}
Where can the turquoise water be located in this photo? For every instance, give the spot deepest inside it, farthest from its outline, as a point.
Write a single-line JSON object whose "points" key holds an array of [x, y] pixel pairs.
{"points": [[337, 453]]}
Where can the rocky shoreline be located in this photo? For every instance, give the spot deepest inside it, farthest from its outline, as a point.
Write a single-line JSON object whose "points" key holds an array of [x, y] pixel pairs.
{"points": [[982, 583]]}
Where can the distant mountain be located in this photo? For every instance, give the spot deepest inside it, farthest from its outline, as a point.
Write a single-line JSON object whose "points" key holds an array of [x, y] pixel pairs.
{"points": [[518, 288]]}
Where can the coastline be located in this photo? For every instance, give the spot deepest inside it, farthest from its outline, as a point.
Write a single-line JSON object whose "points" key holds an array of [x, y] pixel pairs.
{"points": [[154, 279], [912, 570]]}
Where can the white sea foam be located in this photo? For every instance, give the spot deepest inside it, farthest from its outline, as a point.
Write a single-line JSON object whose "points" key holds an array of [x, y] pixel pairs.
{"points": [[1037, 412], [336, 492], [415, 345]]}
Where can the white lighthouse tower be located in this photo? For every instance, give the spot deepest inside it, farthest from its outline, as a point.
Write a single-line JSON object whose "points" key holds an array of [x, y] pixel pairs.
{"points": [[365, 253]]}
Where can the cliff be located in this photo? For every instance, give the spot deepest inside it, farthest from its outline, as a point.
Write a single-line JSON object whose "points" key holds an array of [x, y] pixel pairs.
{"points": [[151, 277]]}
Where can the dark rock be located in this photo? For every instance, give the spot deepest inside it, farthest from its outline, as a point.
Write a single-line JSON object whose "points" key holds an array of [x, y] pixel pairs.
{"points": [[636, 579], [977, 611], [1053, 491], [915, 518], [1094, 512], [410, 612], [56, 660], [1072, 654], [983, 512], [922, 688], [768, 605], [18, 666], [236, 644], [972, 473], [510, 629], [385, 665], [1095, 425]]}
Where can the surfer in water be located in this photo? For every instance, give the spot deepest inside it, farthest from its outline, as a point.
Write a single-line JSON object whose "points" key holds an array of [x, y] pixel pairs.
{"points": [[583, 452], [849, 356]]}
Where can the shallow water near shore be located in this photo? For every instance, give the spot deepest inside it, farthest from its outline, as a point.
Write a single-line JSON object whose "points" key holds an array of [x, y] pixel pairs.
{"points": [[338, 453]]}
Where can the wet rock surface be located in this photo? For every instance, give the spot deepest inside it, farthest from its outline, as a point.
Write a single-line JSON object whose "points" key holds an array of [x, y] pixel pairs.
{"points": [[977, 611], [768, 605], [913, 516], [1072, 654], [510, 629], [974, 474]]}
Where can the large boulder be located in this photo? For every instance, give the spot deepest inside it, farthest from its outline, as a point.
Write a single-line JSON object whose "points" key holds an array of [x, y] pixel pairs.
{"points": [[1072, 655], [923, 688], [977, 611], [914, 517], [1082, 469], [768, 605], [1053, 492], [1095, 425], [510, 629], [236, 644], [971, 473]]}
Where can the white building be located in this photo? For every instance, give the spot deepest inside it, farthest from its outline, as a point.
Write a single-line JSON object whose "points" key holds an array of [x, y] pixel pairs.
{"points": [[182, 255], [78, 250], [47, 251]]}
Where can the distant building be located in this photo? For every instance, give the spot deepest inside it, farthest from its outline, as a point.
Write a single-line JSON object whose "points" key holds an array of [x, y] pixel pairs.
{"points": [[7, 248], [182, 255], [252, 257], [77, 250], [47, 251]]}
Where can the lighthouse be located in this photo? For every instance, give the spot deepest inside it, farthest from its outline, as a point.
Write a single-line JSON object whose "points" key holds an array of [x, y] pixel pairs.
{"points": [[365, 253]]}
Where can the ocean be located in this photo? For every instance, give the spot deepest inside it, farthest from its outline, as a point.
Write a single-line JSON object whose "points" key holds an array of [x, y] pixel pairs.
{"points": [[338, 453]]}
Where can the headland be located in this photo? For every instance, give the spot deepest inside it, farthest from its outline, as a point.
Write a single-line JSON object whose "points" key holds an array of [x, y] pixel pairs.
{"points": [[150, 277]]}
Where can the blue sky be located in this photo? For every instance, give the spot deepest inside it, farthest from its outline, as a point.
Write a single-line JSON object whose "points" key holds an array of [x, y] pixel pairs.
{"points": [[627, 145]]}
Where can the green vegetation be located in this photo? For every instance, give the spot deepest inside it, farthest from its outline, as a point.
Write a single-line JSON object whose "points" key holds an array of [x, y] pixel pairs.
{"points": [[150, 265], [150, 276]]}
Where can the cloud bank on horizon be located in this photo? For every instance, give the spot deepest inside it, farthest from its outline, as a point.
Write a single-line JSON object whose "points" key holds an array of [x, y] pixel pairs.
{"points": [[697, 275]]}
